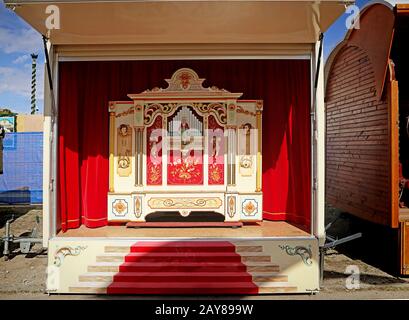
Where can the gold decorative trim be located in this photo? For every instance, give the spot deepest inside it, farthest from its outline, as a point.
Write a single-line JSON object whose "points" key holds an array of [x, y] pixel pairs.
{"points": [[249, 208], [111, 150], [119, 206], [185, 203], [154, 109], [124, 150], [138, 207], [130, 110], [216, 109], [259, 145], [187, 82], [240, 109], [138, 155], [231, 201]]}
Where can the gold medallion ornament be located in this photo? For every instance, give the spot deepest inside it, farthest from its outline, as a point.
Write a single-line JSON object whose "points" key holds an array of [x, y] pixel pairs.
{"points": [[120, 207], [250, 207]]}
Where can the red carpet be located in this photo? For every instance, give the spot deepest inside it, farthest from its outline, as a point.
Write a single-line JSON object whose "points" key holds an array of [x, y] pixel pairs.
{"points": [[182, 267]]}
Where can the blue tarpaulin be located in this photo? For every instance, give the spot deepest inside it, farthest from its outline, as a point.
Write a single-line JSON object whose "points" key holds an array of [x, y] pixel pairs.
{"points": [[22, 178]]}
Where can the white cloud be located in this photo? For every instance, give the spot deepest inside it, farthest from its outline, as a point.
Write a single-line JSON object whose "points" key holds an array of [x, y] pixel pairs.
{"points": [[18, 81], [20, 40], [21, 59]]}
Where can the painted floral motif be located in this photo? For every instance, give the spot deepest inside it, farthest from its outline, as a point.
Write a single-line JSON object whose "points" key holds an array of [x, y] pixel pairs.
{"points": [[120, 206], [216, 152], [154, 174], [216, 173], [250, 207], [184, 79], [187, 170]]}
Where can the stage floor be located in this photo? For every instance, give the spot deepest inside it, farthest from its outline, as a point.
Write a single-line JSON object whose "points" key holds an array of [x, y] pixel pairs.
{"points": [[265, 229]]}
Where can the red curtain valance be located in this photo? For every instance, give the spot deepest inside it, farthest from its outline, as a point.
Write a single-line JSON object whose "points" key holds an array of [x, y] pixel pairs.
{"points": [[86, 87]]}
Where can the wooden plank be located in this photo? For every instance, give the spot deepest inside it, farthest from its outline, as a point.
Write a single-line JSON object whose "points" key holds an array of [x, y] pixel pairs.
{"points": [[356, 87], [355, 171], [355, 116], [361, 161], [358, 195], [331, 131], [348, 71], [341, 105], [360, 120], [357, 141], [394, 153], [363, 124], [360, 211], [360, 136], [351, 77], [353, 109], [404, 247], [349, 188], [341, 176], [359, 144], [361, 97]]}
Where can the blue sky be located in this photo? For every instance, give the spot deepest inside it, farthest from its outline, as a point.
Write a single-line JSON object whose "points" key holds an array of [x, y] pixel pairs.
{"points": [[18, 40], [337, 31]]}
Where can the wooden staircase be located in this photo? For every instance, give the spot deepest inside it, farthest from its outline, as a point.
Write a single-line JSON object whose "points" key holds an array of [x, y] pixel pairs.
{"points": [[183, 267]]}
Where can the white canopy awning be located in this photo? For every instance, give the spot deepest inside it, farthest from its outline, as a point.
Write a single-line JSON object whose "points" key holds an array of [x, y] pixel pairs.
{"points": [[152, 22]]}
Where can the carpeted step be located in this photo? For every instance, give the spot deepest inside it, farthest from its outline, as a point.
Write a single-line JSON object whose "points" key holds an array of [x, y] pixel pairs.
{"points": [[179, 257], [183, 256], [182, 267], [196, 288], [211, 247], [181, 276], [183, 246], [166, 277]]}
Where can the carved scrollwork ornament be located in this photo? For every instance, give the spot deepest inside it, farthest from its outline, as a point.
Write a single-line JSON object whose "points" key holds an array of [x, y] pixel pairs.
{"points": [[304, 252], [66, 251]]}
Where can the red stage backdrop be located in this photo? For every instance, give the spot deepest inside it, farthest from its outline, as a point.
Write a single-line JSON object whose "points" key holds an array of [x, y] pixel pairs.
{"points": [[86, 87]]}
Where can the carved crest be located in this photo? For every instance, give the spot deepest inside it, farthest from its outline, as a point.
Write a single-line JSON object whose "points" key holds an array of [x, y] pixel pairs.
{"points": [[185, 81]]}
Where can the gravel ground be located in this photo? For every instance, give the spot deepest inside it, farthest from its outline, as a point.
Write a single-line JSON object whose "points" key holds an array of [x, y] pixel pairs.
{"points": [[23, 276]]}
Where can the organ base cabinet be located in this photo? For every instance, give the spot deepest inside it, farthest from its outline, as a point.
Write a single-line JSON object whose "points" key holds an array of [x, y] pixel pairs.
{"points": [[185, 148]]}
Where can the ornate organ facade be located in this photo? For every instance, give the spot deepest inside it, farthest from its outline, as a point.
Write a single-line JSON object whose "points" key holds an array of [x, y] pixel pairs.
{"points": [[185, 148]]}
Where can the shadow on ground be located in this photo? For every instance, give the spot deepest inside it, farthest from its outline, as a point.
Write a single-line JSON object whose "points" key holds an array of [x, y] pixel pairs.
{"points": [[366, 278], [378, 246]]}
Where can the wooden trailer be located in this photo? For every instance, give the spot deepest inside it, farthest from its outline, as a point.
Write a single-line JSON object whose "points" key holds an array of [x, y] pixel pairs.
{"points": [[367, 109], [119, 70]]}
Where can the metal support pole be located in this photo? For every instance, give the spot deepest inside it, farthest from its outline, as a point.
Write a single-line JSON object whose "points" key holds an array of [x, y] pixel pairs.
{"points": [[7, 239]]}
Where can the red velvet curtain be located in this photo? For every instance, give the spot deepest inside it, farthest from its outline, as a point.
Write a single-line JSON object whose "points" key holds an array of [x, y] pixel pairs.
{"points": [[86, 88]]}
